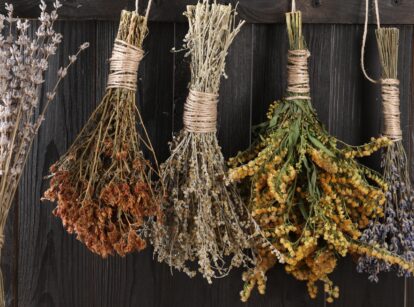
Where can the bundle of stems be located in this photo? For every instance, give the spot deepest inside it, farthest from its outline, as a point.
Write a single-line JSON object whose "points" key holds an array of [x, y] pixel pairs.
{"points": [[103, 184], [308, 192], [23, 63], [395, 230], [204, 217]]}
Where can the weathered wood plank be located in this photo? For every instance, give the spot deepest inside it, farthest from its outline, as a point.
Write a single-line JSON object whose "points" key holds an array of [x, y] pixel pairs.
{"points": [[9, 256], [51, 263], [409, 139], [258, 11], [56, 270]]}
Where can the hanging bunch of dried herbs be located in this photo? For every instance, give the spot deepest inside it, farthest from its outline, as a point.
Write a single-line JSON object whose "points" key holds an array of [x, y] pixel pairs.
{"points": [[308, 193], [23, 63], [395, 230], [204, 218], [102, 185]]}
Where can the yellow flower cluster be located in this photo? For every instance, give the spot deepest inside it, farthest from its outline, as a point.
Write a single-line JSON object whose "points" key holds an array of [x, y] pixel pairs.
{"points": [[311, 198], [368, 149]]}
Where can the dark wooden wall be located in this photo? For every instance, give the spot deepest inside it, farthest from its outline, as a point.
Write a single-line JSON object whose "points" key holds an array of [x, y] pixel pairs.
{"points": [[45, 267]]}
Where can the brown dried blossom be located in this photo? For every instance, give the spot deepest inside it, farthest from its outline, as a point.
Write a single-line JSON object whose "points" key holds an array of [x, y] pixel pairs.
{"points": [[103, 184]]}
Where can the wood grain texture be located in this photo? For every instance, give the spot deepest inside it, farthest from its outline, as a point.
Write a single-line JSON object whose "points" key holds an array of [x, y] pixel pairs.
{"points": [[257, 11], [409, 137], [55, 270], [9, 253], [51, 269]]}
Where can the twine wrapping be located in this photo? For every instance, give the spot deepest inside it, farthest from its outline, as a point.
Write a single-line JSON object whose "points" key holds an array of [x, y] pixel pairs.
{"points": [[124, 66], [391, 108], [200, 112], [298, 74]]}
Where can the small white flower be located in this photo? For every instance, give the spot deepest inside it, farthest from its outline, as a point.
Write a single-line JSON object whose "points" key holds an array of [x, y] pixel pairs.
{"points": [[9, 7], [62, 72], [57, 38], [43, 64], [50, 96], [84, 46], [72, 59], [57, 4], [54, 15], [42, 5]]}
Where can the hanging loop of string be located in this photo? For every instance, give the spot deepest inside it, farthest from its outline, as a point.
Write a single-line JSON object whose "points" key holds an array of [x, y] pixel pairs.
{"points": [[293, 5], [148, 8], [364, 39], [390, 91]]}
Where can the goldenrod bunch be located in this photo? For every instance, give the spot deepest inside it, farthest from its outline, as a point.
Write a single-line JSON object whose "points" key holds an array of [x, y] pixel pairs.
{"points": [[308, 193], [102, 185]]}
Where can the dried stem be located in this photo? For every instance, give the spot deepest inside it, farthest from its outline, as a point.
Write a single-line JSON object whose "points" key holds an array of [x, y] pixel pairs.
{"points": [[393, 231], [308, 192], [103, 184], [23, 62], [205, 219]]}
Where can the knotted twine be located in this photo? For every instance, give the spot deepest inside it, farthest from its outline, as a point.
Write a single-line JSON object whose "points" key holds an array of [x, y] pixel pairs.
{"points": [[124, 66], [391, 108], [298, 74], [200, 112]]}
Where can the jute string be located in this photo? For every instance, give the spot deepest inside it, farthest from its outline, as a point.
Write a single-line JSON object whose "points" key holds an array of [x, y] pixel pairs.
{"points": [[124, 66], [364, 37], [390, 89], [391, 108], [200, 112], [298, 74]]}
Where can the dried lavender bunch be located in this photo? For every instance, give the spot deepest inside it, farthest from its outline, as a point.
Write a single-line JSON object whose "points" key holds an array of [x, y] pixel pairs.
{"points": [[23, 63], [204, 218], [103, 184], [394, 231]]}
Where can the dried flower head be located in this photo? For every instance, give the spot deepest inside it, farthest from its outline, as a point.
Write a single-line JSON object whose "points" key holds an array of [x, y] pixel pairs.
{"points": [[308, 192], [102, 185], [205, 220], [394, 231]]}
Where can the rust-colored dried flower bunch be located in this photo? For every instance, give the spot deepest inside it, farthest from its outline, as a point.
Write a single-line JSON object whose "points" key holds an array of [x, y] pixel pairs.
{"points": [[102, 185], [205, 219], [308, 192]]}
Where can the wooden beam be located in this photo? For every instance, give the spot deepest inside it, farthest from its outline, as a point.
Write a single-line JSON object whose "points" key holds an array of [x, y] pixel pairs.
{"points": [[254, 11]]}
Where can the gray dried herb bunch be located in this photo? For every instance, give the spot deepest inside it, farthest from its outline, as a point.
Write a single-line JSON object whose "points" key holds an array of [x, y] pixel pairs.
{"points": [[23, 63], [204, 217], [103, 184]]}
